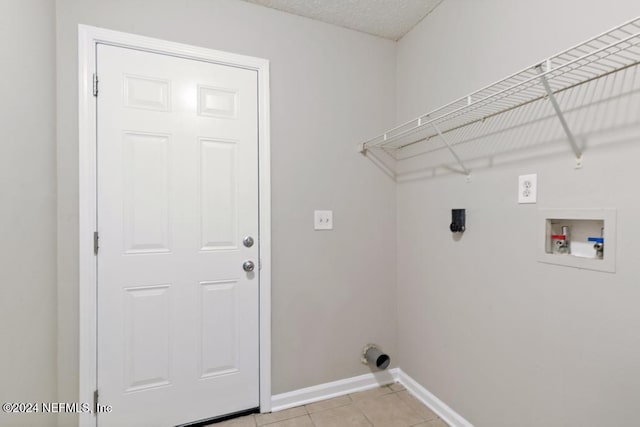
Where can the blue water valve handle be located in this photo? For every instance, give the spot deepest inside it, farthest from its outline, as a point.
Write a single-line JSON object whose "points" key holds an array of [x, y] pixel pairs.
{"points": [[596, 239]]}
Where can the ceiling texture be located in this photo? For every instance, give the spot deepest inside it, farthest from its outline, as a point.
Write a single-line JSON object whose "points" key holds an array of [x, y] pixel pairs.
{"points": [[390, 19]]}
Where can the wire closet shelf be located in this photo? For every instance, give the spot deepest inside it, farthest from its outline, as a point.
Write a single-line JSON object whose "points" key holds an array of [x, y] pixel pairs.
{"points": [[607, 53]]}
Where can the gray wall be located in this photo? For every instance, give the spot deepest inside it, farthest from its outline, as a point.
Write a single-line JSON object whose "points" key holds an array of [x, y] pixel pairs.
{"points": [[28, 210], [501, 338], [332, 291]]}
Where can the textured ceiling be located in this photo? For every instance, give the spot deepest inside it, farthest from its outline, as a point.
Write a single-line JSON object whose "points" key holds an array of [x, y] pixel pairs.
{"points": [[390, 19]]}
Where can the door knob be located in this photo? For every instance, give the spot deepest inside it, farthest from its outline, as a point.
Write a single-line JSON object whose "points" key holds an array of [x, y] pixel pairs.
{"points": [[248, 266], [247, 241]]}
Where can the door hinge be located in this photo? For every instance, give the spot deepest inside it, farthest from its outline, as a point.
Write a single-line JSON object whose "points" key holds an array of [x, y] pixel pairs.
{"points": [[95, 84], [95, 402], [96, 245]]}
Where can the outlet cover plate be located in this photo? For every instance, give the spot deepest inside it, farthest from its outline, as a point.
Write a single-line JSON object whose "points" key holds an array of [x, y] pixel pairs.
{"points": [[528, 188], [323, 220]]}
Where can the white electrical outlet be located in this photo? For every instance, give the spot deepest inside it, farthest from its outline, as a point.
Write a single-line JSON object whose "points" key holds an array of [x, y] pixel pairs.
{"points": [[323, 220], [527, 188]]}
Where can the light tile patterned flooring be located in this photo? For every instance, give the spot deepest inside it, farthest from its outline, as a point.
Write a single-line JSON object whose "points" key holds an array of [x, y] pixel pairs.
{"points": [[387, 406]]}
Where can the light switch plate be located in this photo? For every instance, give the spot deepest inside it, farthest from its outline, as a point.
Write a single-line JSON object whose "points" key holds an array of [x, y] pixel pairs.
{"points": [[528, 188], [323, 220]]}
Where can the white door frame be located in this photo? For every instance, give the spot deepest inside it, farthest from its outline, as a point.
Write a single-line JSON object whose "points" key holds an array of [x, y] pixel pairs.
{"points": [[88, 38]]}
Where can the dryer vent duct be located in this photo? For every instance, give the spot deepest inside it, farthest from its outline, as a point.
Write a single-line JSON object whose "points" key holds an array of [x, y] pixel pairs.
{"points": [[374, 357]]}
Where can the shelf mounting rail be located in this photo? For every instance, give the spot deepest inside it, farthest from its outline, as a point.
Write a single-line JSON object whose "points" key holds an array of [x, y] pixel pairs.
{"points": [[607, 53]]}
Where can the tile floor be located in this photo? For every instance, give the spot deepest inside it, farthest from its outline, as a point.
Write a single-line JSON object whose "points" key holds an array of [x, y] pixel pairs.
{"points": [[388, 406]]}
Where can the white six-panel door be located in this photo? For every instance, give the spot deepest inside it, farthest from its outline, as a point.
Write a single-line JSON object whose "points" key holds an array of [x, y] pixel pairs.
{"points": [[177, 193]]}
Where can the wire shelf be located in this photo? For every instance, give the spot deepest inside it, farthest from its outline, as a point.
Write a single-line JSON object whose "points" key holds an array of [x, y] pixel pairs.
{"points": [[610, 52]]}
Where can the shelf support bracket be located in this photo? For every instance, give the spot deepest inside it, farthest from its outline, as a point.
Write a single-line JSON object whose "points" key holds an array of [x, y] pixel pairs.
{"points": [[558, 110], [451, 149]]}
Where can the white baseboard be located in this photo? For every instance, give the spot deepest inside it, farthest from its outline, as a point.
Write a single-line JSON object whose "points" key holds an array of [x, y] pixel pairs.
{"points": [[450, 416], [333, 389], [325, 391]]}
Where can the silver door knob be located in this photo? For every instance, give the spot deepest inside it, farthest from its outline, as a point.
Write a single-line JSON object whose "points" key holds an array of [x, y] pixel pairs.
{"points": [[248, 266], [247, 241]]}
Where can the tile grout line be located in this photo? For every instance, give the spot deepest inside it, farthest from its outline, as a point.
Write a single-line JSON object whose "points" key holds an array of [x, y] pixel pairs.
{"points": [[364, 415], [284, 419], [313, 423]]}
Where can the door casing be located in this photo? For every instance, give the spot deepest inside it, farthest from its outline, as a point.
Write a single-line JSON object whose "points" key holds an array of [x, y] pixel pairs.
{"points": [[88, 38]]}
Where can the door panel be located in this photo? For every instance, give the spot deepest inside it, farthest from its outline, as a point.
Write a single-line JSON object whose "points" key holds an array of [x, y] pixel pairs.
{"points": [[219, 214], [147, 343], [146, 93], [177, 192], [146, 195], [219, 322]]}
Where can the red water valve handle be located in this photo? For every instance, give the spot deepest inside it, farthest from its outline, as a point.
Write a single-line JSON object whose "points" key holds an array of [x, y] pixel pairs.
{"points": [[559, 236]]}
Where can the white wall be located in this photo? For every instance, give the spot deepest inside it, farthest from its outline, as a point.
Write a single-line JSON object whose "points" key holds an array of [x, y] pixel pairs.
{"points": [[333, 291], [27, 209], [501, 338]]}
